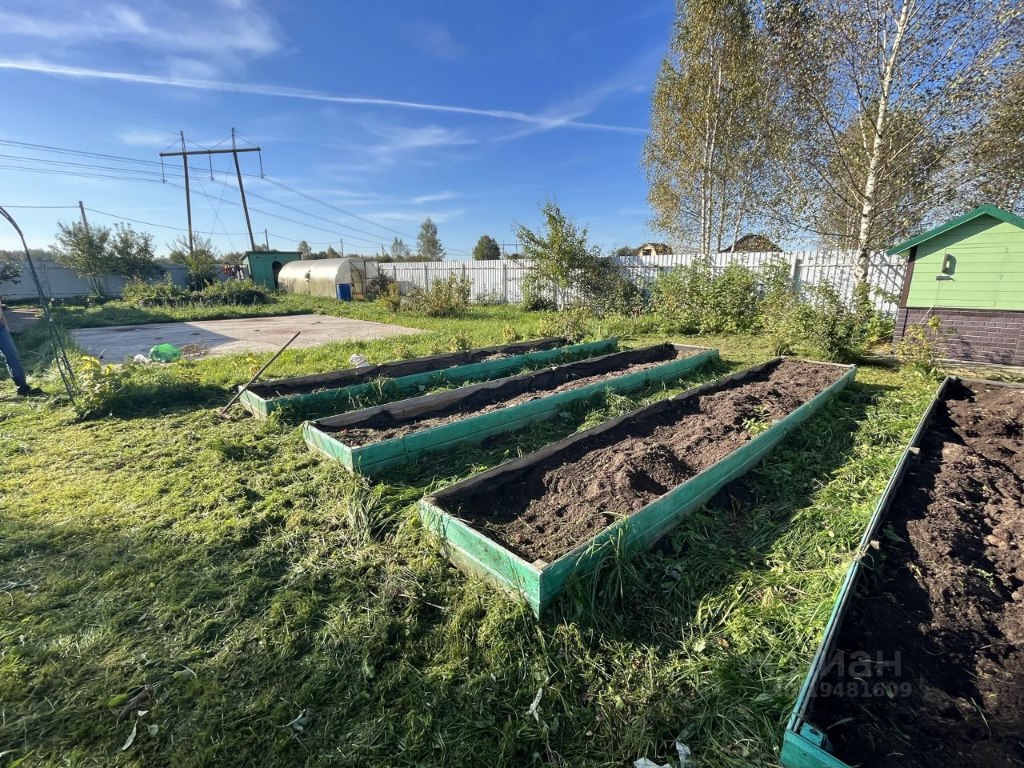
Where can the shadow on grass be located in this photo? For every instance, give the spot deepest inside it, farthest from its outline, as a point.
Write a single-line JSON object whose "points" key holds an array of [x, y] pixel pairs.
{"points": [[139, 400], [653, 597]]}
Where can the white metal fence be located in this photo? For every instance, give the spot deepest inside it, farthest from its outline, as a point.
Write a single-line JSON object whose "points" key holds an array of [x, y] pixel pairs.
{"points": [[63, 283], [502, 280]]}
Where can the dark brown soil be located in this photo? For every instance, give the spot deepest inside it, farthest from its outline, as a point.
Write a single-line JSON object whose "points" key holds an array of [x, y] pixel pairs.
{"points": [[574, 495], [942, 606], [384, 426]]}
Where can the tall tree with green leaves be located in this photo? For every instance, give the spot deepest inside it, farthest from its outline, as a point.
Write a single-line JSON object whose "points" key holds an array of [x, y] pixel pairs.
{"points": [[486, 249], [200, 260], [10, 266], [715, 128], [872, 85], [84, 250], [400, 251], [304, 249], [428, 244], [997, 157], [131, 253]]}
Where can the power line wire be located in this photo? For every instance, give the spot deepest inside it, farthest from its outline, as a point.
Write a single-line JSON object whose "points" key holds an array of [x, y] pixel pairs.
{"points": [[137, 221], [282, 185], [139, 176]]}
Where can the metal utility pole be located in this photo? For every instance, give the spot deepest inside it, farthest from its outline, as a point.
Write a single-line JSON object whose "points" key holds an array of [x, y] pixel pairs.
{"points": [[342, 248], [185, 154], [85, 221], [241, 189]]}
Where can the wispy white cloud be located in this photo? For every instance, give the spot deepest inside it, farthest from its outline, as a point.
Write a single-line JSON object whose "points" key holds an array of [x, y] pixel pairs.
{"points": [[437, 197], [140, 137], [224, 28], [634, 78], [543, 121], [399, 217], [434, 39]]}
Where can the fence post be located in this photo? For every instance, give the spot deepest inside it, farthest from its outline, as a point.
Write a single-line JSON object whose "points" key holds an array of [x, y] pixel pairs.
{"points": [[794, 270], [426, 277], [504, 281]]}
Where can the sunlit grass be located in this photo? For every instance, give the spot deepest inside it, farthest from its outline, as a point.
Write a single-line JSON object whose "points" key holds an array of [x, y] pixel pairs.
{"points": [[247, 579]]}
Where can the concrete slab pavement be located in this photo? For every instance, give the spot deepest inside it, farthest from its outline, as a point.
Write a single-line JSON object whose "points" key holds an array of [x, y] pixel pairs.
{"points": [[226, 337]]}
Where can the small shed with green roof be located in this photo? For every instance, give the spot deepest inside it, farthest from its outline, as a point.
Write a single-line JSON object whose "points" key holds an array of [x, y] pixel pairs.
{"points": [[969, 272]]}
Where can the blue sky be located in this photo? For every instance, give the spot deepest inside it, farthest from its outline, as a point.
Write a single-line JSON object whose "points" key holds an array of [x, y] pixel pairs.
{"points": [[470, 112]]}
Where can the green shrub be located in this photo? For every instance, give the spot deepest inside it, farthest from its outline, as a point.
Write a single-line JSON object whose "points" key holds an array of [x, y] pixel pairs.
{"points": [[734, 301], [380, 286], [538, 295], [511, 334], [235, 292], [391, 298], [877, 329], [573, 323], [489, 299], [460, 342], [692, 299], [99, 384], [923, 344], [162, 294], [445, 298], [676, 296], [818, 321]]}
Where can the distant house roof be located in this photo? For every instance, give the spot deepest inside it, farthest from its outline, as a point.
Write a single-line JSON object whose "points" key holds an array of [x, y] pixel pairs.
{"points": [[983, 210], [752, 243], [657, 248]]}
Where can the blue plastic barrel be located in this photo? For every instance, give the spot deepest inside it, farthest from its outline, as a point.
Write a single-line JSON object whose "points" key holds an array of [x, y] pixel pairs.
{"points": [[344, 292]]}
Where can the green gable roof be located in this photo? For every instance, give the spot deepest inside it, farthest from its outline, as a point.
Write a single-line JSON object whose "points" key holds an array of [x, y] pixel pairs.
{"points": [[984, 210]]}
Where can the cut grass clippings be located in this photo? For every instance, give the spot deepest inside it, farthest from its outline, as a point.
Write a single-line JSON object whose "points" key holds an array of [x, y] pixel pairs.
{"points": [[286, 613]]}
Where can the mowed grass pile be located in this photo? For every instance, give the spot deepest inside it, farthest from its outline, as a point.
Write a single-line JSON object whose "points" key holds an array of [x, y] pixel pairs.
{"points": [[249, 583]]}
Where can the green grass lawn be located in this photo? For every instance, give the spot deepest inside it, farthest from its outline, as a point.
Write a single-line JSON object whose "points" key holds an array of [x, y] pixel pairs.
{"points": [[248, 581]]}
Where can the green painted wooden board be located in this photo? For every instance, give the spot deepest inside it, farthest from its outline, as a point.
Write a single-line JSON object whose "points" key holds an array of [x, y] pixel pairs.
{"points": [[540, 582], [987, 274], [338, 388], [804, 745], [373, 458]]}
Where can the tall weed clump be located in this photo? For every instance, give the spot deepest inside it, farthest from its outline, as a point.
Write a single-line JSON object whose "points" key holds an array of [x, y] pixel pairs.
{"points": [[444, 298], [814, 320], [693, 299]]}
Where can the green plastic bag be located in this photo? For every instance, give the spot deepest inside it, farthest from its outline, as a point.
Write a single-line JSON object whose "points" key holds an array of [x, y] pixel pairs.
{"points": [[165, 353]]}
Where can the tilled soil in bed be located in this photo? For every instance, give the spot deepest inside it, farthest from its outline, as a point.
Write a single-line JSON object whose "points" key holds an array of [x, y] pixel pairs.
{"points": [[384, 426], [574, 495], [941, 613]]}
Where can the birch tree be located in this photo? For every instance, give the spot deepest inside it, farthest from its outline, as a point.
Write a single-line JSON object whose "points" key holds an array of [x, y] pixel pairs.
{"points": [[878, 87], [997, 157], [714, 126]]}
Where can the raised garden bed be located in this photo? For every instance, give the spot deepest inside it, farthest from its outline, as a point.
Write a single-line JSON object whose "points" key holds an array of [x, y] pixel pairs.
{"points": [[340, 390], [531, 523], [373, 439], [922, 660]]}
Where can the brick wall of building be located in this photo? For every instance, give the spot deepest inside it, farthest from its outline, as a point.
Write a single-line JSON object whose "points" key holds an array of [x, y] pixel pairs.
{"points": [[991, 336]]}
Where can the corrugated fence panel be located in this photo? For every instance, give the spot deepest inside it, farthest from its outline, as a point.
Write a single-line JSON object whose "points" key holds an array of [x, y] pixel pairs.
{"points": [[63, 283], [503, 280]]}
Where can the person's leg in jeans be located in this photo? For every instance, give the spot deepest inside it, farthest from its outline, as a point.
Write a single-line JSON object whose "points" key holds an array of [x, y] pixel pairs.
{"points": [[10, 355]]}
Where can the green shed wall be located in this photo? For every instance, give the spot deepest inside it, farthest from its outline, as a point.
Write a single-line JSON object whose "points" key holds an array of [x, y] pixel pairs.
{"points": [[261, 265], [989, 270]]}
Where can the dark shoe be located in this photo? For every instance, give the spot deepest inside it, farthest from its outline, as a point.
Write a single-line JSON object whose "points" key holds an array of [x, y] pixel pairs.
{"points": [[27, 391]]}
